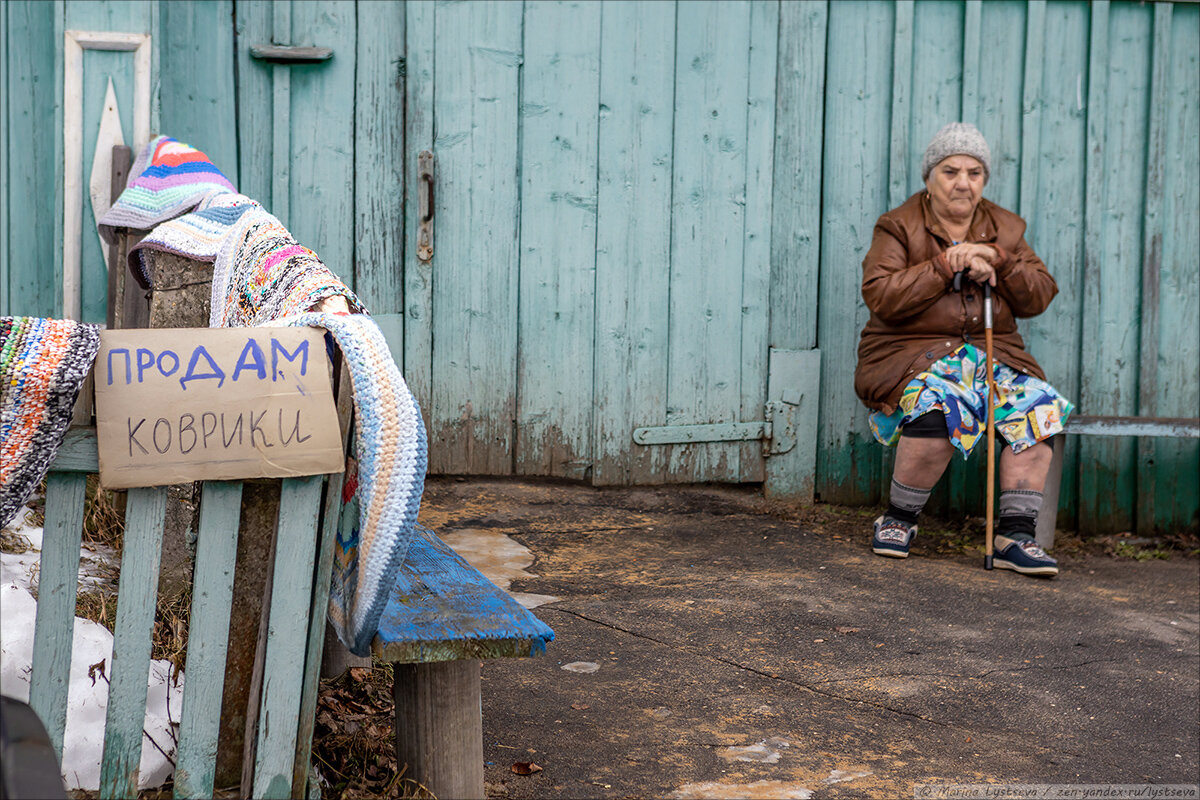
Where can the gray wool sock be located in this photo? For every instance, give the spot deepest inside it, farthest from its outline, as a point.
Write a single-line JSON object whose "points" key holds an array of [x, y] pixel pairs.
{"points": [[1018, 513], [906, 502]]}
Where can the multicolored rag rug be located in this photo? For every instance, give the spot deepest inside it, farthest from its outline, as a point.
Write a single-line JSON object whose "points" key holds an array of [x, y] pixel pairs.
{"points": [[43, 363], [169, 178], [391, 456]]}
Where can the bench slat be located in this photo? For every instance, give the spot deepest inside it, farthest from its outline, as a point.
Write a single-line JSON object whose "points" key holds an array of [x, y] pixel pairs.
{"points": [[442, 609], [287, 637], [208, 632], [1175, 427], [140, 555], [77, 453], [59, 571]]}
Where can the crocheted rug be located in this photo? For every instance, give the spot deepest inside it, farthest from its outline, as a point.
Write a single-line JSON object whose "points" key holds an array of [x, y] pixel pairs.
{"points": [[390, 461], [43, 363], [170, 177]]}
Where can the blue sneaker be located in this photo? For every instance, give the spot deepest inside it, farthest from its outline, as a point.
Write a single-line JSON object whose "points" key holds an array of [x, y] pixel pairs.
{"points": [[892, 537], [1024, 555]]}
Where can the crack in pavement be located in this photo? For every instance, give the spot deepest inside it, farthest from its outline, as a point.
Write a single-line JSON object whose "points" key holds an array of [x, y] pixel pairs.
{"points": [[746, 668], [1045, 749], [964, 677]]}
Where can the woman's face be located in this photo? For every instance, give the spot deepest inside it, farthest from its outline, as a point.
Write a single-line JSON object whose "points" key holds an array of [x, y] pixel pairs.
{"points": [[955, 186]]}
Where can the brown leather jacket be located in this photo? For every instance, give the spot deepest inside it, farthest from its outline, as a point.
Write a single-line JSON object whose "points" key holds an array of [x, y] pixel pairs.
{"points": [[916, 318]]}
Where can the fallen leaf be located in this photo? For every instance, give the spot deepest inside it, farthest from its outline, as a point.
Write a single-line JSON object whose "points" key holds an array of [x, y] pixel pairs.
{"points": [[359, 674], [580, 706], [525, 768], [846, 629]]}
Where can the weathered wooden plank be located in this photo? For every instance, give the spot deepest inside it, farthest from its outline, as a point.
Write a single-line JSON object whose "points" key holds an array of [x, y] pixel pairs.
{"points": [[287, 636], [799, 143], [31, 157], [318, 617], [557, 285], [1172, 470], [56, 253], [999, 98], [1110, 353], [379, 158], [58, 579], [198, 96], [4, 124], [290, 54], [637, 68], [212, 598], [1176, 428], [281, 112], [936, 90], [1031, 105], [756, 241], [1055, 219], [478, 57], [901, 161], [441, 608], [707, 233], [255, 116], [322, 209], [1152, 245], [140, 554], [418, 77], [855, 193], [77, 452], [795, 386], [972, 47]]}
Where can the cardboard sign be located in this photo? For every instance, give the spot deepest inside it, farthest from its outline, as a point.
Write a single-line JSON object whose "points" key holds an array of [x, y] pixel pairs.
{"points": [[175, 405]]}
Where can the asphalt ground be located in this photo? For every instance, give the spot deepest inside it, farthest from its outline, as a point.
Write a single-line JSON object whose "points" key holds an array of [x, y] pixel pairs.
{"points": [[709, 644]]}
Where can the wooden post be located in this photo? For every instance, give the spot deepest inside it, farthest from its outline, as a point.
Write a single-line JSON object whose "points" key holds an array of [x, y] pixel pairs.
{"points": [[181, 299], [1048, 516], [439, 726]]}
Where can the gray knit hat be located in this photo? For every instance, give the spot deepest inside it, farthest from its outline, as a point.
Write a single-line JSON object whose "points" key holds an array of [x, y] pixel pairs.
{"points": [[957, 138]]}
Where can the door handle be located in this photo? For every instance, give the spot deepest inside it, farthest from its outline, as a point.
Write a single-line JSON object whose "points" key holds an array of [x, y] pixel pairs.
{"points": [[425, 206]]}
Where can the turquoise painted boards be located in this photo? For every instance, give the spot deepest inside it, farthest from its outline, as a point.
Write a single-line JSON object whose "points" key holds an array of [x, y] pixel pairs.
{"points": [[608, 254]]}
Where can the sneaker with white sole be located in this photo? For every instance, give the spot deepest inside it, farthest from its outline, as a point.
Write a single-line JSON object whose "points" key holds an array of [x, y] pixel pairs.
{"points": [[892, 537], [1024, 555]]}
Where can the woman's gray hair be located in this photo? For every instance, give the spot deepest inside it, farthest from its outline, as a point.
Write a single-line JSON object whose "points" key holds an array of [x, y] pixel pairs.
{"points": [[957, 138]]}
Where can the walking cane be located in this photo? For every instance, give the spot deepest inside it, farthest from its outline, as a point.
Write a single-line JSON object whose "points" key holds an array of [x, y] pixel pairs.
{"points": [[991, 425]]}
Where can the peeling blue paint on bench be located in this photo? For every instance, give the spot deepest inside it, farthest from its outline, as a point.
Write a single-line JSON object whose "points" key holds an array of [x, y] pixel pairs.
{"points": [[443, 609]]}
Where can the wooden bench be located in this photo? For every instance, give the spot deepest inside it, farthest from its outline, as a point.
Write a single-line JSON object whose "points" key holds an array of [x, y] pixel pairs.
{"points": [[1082, 425]]}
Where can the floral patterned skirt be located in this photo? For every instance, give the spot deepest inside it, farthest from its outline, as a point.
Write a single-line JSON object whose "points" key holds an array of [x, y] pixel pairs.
{"points": [[1027, 410]]}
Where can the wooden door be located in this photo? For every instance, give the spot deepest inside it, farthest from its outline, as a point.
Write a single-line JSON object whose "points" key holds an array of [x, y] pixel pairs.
{"points": [[602, 235]]}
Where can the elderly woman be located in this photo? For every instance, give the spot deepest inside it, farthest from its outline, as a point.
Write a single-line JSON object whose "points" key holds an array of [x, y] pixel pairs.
{"points": [[921, 365]]}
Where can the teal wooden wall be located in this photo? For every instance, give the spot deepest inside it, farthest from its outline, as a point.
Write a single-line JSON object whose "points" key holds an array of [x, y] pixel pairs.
{"points": [[636, 200]]}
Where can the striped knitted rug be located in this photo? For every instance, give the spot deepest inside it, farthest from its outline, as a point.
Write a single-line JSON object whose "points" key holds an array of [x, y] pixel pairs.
{"points": [[390, 457], [169, 178], [43, 363]]}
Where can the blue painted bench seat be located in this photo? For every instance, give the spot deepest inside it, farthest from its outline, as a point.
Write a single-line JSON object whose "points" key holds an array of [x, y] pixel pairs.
{"points": [[442, 618], [443, 609]]}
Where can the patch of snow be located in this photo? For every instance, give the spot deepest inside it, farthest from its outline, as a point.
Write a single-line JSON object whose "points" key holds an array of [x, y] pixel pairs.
{"points": [[87, 698]]}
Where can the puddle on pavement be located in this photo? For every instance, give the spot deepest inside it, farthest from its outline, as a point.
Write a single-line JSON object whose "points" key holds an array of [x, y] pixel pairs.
{"points": [[768, 751], [842, 775], [501, 559], [759, 790], [586, 667]]}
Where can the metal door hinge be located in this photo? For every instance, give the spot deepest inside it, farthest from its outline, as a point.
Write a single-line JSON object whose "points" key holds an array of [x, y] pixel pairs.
{"points": [[777, 432]]}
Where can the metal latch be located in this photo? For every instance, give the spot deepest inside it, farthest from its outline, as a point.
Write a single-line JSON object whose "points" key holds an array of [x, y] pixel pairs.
{"points": [[290, 54], [777, 432], [425, 205]]}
